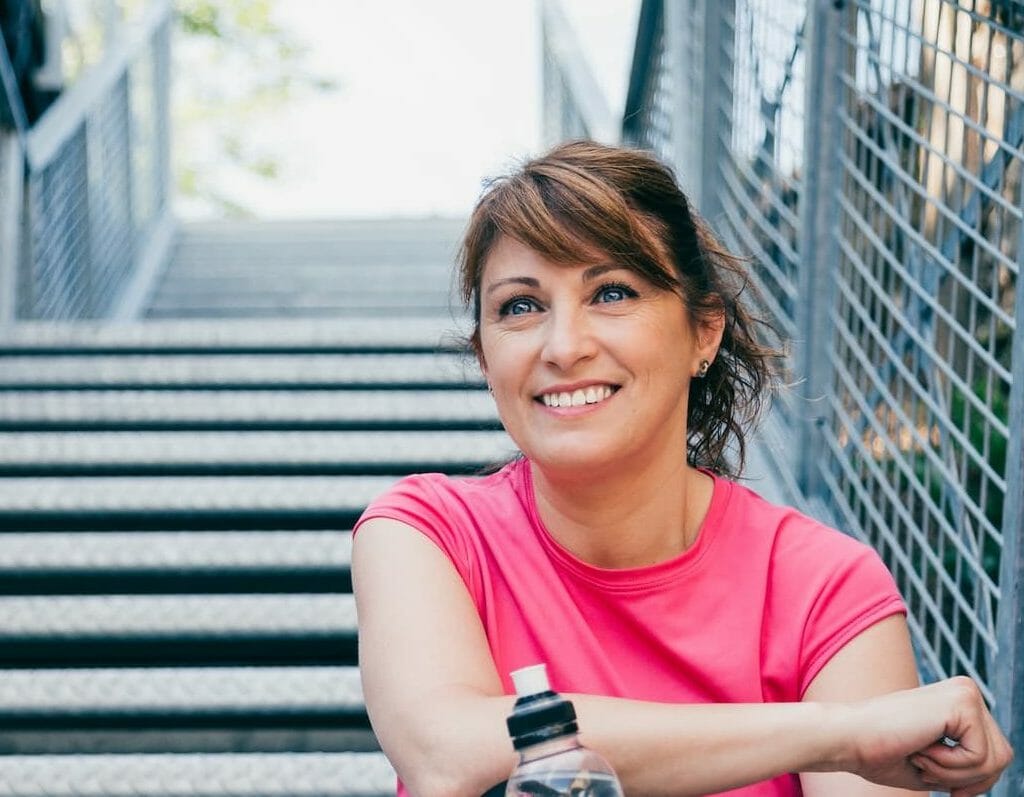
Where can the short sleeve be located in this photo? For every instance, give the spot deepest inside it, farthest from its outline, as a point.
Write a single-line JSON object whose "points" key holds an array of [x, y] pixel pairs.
{"points": [[421, 501], [825, 589]]}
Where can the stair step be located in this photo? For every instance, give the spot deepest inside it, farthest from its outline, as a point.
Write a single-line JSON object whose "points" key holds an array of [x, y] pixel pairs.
{"points": [[416, 232], [285, 309], [185, 502], [225, 371], [198, 775], [104, 562], [165, 616], [148, 453], [71, 694], [396, 290], [127, 551], [338, 335], [142, 409], [201, 300], [106, 630], [321, 268]]}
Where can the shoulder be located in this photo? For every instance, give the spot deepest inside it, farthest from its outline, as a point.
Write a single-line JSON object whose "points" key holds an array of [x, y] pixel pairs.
{"points": [[801, 544], [454, 513], [824, 588], [427, 495]]}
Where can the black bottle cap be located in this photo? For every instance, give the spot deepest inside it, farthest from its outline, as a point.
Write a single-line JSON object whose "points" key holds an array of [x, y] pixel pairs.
{"points": [[539, 716]]}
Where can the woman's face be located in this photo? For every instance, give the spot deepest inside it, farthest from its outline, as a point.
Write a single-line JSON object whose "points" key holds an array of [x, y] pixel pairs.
{"points": [[589, 363]]}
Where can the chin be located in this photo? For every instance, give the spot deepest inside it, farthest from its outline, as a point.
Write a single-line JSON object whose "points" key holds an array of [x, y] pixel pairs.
{"points": [[575, 463]]}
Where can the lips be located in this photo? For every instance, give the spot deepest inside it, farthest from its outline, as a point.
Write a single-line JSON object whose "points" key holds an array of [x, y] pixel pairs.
{"points": [[591, 394]]}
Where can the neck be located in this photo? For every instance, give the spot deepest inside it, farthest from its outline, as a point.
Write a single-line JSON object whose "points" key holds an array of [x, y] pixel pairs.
{"points": [[632, 519]]}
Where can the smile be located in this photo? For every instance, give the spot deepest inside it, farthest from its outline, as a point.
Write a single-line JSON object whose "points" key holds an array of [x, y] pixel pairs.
{"points": [[577, 398]]}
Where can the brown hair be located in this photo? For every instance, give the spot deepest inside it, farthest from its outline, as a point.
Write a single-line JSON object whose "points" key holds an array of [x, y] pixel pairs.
{"points": [[583, 197]]}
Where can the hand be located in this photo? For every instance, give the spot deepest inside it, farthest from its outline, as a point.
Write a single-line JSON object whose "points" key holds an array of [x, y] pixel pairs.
{"points": [[897, 739]]}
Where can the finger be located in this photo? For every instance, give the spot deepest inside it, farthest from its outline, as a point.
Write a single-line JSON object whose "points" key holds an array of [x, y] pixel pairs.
{"points": [[982, 787], [935, 774], [958, 756]]}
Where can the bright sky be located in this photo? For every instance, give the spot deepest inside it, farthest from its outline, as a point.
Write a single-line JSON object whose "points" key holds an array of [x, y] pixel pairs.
{"points": [[434, 97]]}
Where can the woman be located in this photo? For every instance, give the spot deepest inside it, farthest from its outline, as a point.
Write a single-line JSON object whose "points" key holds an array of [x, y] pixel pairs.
{"points": [[709, 640]]}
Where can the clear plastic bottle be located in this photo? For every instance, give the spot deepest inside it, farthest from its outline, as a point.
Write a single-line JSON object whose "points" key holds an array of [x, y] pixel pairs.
{"points": [[552, 762]]}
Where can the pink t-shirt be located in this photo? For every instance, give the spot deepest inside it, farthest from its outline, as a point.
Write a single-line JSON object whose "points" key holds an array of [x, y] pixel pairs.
{"points": [[750, 613]]}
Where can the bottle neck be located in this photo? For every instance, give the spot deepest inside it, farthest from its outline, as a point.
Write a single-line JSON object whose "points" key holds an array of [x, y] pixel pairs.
{"points": [[549, 747]]}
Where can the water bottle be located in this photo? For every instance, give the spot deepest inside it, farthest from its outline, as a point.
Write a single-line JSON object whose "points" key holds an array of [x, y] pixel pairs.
{"points": [[552, 762]]}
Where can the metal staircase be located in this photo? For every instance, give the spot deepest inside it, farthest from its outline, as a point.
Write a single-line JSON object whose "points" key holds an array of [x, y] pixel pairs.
{"points": [[176, 499]]}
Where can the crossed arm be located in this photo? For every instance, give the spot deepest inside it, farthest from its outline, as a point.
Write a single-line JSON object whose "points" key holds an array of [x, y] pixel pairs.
{"points": [[436, 703]]}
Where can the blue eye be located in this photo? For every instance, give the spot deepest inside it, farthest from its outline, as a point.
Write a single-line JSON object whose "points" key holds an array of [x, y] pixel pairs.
{"points": [[517, 306], [614, 292]]}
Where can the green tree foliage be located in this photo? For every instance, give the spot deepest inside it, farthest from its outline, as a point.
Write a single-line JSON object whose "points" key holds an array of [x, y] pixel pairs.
{"points": [[237, 70]]}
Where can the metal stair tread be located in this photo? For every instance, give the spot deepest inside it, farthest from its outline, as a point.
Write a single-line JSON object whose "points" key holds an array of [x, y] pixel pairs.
{"points": [[217, 617], [126, 690], [240, 406], [41, 450], [26, 553], [350, 334], [197, 775], [297, 295], [224, 370], [83, 495]]}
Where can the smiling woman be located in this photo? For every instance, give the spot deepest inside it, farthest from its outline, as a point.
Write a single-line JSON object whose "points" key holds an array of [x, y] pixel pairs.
{"points": [[712, 641]]}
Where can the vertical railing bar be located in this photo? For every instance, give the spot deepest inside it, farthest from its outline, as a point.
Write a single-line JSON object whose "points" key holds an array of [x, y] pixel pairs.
{"points": [[818, 244], [719, 21], [12, 171], [674, 17], [1008, 679]]}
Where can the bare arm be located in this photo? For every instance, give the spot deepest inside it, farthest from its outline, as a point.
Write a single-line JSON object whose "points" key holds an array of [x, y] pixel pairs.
{"points": [[436, 702]]}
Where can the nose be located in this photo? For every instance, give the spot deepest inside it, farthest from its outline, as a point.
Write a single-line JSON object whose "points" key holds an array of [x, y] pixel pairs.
{"points": [[569, 338]]}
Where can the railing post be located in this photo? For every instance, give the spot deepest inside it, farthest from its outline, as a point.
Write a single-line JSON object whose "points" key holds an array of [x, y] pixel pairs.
{"points": [[818, 243], [1008, 680], [12, 183], [716, 90], [681, 46]]}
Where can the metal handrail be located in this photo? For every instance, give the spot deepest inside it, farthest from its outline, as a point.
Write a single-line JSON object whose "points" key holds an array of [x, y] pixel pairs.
{"points": [[62, 119]]}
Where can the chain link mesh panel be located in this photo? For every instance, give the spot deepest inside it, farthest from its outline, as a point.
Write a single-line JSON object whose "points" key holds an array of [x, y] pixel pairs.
{"points": [[760, 186], [929, 230], [94, 200]]}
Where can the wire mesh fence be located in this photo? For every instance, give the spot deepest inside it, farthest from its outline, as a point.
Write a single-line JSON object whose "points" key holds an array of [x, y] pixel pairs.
{"points": [[97, 184], [867, 157]]}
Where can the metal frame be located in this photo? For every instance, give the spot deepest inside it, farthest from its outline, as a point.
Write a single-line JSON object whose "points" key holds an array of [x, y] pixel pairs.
{"points": [[1009, 670], [13, 127], [818, 244]]}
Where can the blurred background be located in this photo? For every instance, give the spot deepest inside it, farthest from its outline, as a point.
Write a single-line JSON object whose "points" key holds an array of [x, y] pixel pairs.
{"points": [[227, 229]]}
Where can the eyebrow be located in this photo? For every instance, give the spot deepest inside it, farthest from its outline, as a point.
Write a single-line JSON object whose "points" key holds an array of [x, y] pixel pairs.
{"points": [[591, 273], [528, 281]]}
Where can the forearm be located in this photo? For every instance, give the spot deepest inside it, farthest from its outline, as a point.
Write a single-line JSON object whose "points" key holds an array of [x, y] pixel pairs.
{"points": [[656, 748], [664, 749]]}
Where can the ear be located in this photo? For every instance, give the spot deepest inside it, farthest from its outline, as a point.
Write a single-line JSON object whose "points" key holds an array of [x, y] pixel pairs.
{"points": [[709, 332]]}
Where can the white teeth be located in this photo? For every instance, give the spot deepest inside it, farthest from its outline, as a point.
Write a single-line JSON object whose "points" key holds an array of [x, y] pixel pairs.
{"points": [[591, 395]]}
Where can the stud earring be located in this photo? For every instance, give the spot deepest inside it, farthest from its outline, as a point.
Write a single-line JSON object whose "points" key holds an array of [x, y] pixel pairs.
{"points": [[702, 369]]}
